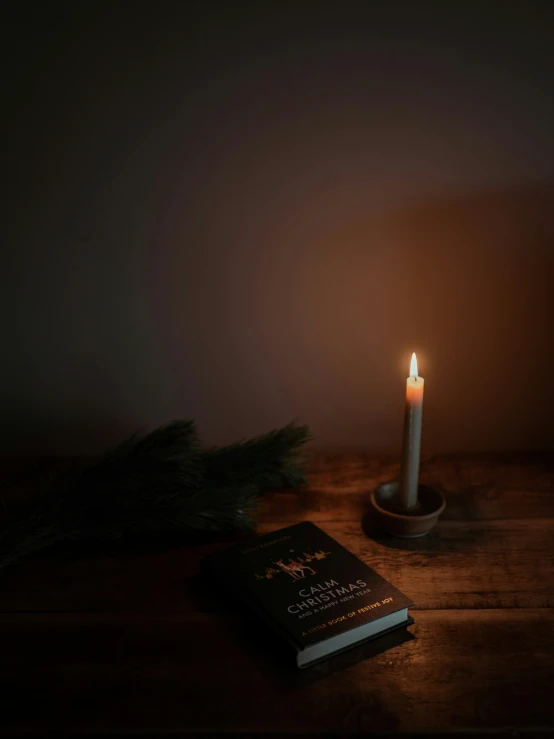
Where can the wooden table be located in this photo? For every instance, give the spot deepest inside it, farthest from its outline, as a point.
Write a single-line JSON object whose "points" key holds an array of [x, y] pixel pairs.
{"points": [[121, 638]]}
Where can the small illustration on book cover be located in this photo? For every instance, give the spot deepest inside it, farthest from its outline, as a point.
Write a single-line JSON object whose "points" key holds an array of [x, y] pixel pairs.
{"points": [[296, 568]]}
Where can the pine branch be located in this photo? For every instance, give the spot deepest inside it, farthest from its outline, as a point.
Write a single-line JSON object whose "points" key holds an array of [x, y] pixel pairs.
{"points": [[269, 462], [155, 483]]}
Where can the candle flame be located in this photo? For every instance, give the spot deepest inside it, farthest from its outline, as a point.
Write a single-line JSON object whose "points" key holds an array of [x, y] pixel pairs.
{"points": [[413, 366]]}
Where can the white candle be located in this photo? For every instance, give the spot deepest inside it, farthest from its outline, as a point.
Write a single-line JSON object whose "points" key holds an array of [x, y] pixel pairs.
{"points": [[409, 471]]}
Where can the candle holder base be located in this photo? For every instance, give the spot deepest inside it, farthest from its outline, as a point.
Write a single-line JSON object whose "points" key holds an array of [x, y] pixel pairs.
{"points": [[407, 524]]}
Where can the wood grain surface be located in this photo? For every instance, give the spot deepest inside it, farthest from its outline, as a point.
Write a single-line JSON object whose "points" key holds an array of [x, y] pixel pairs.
{"points": [[127, 637]]}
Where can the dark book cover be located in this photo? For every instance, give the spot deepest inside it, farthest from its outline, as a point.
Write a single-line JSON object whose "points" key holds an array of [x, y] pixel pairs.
{"points": [[308, 586]]}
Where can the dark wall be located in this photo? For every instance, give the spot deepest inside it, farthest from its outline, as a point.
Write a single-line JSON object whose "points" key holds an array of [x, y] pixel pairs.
{"points": [[249, 213]]}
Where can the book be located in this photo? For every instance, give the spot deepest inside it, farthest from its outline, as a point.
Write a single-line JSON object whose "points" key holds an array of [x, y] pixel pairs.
{"points": [[318, 596]]}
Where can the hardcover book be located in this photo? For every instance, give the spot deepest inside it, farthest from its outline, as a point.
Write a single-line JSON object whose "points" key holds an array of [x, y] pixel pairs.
{"points": [[319, 597]]}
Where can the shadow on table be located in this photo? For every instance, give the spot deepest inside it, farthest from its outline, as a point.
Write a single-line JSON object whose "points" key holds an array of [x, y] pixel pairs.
{"points": [[277, 664], [436, 542], [274, 659], [140, 543]]}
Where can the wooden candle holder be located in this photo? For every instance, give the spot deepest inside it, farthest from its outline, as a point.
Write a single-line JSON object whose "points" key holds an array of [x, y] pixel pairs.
{"points": [[407, 524]]}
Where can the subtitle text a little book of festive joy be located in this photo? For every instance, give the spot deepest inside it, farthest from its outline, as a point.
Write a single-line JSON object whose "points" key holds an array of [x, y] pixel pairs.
{"points": [[319, 597]]}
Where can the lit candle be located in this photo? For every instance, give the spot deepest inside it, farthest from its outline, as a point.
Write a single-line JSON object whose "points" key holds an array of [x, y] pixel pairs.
{"points": [[409, 471]]}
